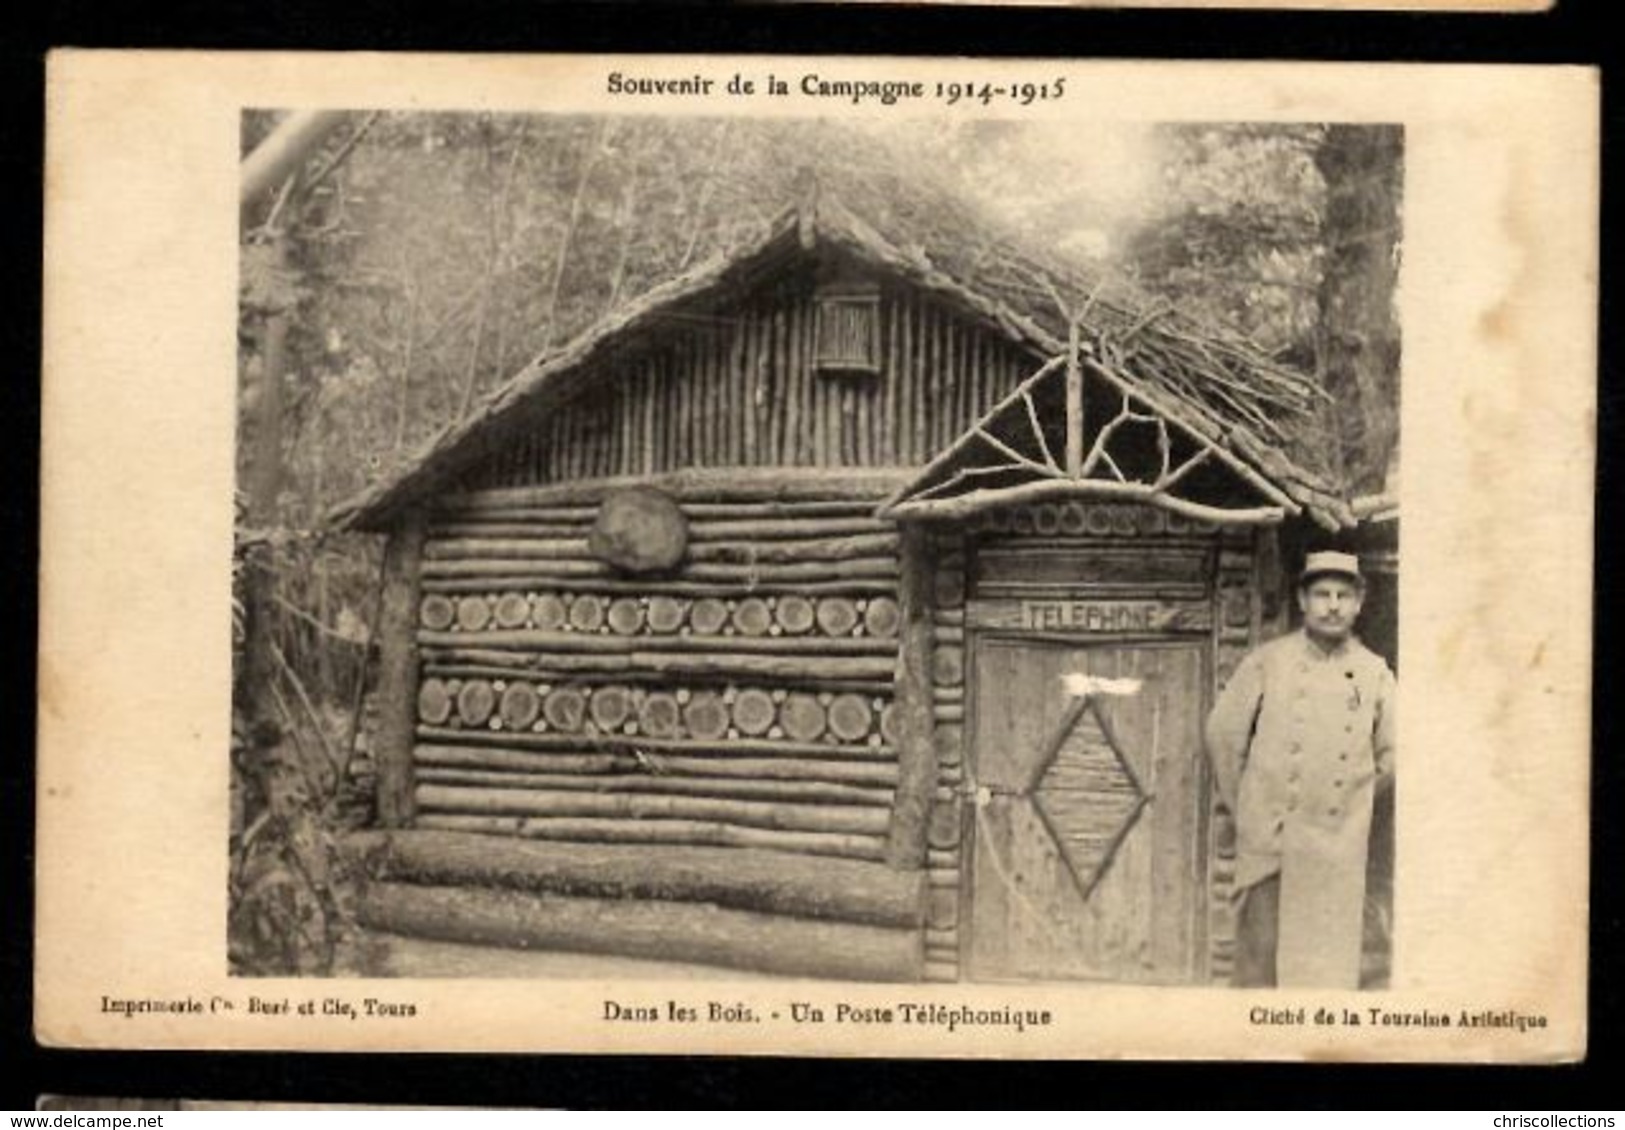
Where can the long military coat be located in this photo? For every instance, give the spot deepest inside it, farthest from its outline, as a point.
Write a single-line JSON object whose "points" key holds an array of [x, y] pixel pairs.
{"points": [[1297, 740]]}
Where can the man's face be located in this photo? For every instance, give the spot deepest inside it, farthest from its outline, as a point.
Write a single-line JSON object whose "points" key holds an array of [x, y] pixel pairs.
{"points": [[1330, 606]]}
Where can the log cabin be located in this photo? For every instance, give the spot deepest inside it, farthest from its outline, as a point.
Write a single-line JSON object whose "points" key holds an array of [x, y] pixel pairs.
{"points": [[847, 606]]}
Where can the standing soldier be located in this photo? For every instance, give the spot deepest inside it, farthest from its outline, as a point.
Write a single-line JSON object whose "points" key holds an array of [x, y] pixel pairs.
{"points": [[1301, 739]]}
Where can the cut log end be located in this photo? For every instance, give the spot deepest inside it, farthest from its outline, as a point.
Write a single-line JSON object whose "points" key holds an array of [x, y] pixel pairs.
{"points": [[639, 530]]}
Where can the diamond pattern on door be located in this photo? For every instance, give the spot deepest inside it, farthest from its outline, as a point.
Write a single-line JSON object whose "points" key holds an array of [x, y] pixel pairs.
{"points": [[1087, 855], [1087, 794]]}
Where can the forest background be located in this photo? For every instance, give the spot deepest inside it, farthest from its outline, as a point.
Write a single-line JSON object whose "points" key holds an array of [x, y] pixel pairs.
{"points": [[407, 264]]}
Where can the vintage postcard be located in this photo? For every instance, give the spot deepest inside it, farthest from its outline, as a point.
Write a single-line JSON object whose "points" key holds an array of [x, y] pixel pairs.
{"points": [[827, 556]]}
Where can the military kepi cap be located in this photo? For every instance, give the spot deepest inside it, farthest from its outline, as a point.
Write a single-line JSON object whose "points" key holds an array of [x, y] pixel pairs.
{"points": [[1330, 563]]}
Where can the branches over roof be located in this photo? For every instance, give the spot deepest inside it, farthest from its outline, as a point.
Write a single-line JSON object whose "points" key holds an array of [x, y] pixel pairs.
{"points": [[1208, 378]]}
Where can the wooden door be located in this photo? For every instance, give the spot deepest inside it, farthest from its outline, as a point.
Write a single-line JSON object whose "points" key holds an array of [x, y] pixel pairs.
{"points": [[1089, 816]]}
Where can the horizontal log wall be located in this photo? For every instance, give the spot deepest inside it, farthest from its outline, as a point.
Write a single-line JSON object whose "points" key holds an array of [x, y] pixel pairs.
{"points": [[746, 700], [739, 387]]}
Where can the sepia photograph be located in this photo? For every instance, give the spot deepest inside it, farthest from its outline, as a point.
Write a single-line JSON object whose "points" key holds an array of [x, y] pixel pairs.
{"points": [[761, 545], [817, 556]]}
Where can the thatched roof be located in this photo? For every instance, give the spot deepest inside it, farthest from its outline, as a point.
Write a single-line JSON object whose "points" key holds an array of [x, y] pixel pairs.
{"points": [[1208, 379]]}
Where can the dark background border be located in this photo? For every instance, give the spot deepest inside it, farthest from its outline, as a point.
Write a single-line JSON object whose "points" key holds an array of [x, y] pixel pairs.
{"points": [[1577, 32]]}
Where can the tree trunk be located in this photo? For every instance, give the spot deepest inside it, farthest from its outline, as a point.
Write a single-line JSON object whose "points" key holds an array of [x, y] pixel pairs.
{"points": [[685, 833], [263, 486], [1359, 364], [841, 819], [699, 933], [276, 158], [1359, 332], [777, 883]]}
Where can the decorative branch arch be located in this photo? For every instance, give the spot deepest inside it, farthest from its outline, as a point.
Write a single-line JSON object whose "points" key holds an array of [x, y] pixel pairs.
{"points": [[1039, 444]]}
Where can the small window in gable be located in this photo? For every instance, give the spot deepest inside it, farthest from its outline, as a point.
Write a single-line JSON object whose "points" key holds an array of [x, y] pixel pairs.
{"points": [[848, 329]]}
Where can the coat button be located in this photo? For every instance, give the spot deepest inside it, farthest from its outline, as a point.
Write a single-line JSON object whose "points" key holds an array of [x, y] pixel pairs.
{"points": [[1332, 811]]}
